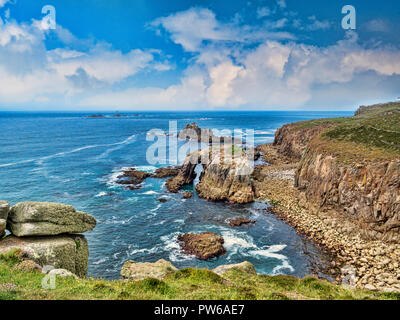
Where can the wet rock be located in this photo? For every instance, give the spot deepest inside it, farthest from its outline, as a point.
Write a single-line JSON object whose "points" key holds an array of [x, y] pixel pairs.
{"points": [[187, 195], [132, 270], [245, 267], [47, 218], [133, 178], [240, 221], [68, 252], [204, 246], [162, 200], [166, 172]]}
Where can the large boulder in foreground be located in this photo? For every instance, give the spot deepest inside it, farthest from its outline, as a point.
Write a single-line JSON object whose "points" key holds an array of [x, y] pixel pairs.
{"points": [[46, 218], [204, 246], [245, 267], [132, 270], [68, 252], [4, 209], [2, 227]]}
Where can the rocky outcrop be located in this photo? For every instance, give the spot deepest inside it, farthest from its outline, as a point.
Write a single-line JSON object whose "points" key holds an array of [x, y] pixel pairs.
{"points": [[230, 181], [225, 176], [132, 178], [368, 192], [4, 209], [240, 221], [46, 218], [132, 270], [187, 195], [204, 246], [166, 172], [245, 267], [3, 224], [194, 132], [68, 252]]}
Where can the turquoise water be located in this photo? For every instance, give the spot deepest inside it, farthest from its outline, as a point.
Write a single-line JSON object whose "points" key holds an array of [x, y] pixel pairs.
{"points": [[69, 158]]}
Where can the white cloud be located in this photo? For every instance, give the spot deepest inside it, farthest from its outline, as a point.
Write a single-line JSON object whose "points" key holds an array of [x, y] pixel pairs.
{"points": [[263, 12]]}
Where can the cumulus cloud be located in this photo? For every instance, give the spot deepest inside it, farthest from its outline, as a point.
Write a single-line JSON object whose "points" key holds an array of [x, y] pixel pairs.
{"points": [[231, 65]]}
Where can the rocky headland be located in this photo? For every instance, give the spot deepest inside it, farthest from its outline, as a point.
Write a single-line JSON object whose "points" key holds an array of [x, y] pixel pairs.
{"points": [[337, 181]]}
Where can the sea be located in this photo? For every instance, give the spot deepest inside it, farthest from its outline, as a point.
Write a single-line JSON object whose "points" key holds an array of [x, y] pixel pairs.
{"points": [[73, 158]]}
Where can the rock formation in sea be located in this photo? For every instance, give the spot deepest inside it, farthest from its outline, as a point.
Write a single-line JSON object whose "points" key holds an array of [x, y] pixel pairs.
{"points": [[204, 246], [132, 178], [226, 175], [193, 132], [47, 235], [240, 221]]}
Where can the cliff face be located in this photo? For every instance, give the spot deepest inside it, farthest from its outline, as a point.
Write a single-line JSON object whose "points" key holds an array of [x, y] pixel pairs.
{"points": [[350, 165], [293, 141], [367, 192]]}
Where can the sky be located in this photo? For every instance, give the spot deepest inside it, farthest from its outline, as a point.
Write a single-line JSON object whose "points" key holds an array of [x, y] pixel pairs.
{"points": [[198, 55]]}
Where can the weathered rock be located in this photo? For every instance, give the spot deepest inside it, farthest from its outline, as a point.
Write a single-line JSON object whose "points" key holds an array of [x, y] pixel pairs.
{"points": [[132, 270], [187, 195], [370, 287], [68, 252], [63, 273], [204, 246], [132, 178], [46, 218], [3, 224], [194, 132], [28, 266], [367, 192], [245, 267], [4, 209], [240, 221], [166, 172]]}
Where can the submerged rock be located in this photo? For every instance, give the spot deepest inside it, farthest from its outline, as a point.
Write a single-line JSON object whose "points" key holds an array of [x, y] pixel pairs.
{"points": [[46, 218], [4, 209], [187, 195], [240, 221], [245, 267], [68, 252], [162, 200], [132, 270], [204, 246]]}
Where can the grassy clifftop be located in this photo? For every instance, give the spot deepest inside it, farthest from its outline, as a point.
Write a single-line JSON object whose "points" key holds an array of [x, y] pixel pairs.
{"points": [[184, 284], [373, 133]]}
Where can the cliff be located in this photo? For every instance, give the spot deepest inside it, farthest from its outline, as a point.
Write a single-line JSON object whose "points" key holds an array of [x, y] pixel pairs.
{"points": [[351, 165]]}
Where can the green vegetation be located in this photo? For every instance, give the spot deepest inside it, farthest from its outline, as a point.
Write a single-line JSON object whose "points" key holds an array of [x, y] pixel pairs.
{"points": [[373, 134], [184, 284]]}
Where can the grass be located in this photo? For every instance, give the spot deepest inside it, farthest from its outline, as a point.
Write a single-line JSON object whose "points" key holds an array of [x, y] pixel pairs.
{"points": [[186, 284], [374, 134]]}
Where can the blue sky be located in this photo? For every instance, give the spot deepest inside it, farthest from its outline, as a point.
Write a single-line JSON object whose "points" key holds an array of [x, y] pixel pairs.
{"points": [[197, 55]]}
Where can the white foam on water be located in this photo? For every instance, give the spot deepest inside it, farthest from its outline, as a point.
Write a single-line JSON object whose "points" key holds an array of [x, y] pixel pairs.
{"points": [[115, 220], [101, 194], [118, 145], [100, 261], [155, 209], [171, 245], [150, 192], [149, 169], [272, 252]]}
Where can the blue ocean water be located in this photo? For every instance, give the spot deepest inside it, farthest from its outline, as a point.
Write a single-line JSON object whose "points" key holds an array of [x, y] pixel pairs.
{"points": [[70, 158]]}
